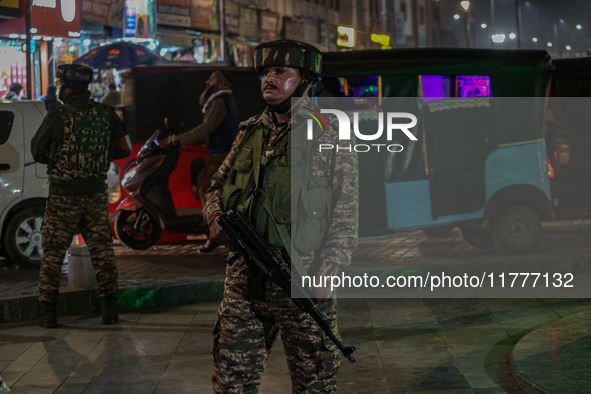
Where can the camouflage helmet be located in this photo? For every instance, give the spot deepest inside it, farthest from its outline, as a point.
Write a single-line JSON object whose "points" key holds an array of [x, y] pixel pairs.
{"points": [[288, 53], [74, 76]]}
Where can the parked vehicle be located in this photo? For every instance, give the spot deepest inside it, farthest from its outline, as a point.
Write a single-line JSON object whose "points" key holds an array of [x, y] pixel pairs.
{"points": [[150, 208], [568, 138], [23, 182], [479, 162], [151, 94]]}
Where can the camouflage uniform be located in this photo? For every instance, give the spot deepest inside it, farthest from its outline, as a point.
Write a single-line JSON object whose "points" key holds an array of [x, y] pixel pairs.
{"points": [[76, 140], [247, 326]]}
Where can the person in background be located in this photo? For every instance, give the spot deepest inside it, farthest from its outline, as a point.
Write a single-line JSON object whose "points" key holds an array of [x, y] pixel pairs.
{"points": [[14, 92], [255, 180], [50, 99], [78, 141], [113, 97], [218, 130]]}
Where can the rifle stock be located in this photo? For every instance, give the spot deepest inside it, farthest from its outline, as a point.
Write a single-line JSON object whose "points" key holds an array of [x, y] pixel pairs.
{"points": [[258, 251]]}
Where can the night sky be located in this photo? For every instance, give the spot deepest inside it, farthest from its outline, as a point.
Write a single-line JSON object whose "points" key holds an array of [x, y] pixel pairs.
{"points": [[547, 20]]}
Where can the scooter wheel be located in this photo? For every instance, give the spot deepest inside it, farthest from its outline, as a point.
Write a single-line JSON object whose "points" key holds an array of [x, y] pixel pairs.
{"points": [[146, 234]]}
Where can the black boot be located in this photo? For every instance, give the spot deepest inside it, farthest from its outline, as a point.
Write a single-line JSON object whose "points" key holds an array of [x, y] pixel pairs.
{"points": [[47, 315], [209, 246], [109, 309]]}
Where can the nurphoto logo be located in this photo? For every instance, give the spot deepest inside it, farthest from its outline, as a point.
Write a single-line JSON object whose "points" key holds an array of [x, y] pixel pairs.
{"points": [[394, 122]]}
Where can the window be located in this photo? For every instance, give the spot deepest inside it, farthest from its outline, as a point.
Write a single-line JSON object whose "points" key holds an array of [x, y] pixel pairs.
{"points": [[362, 86], [6, 121], [448, 86]]}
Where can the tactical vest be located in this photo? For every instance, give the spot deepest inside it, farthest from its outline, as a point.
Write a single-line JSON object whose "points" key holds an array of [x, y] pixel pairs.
{"points": [[84, 153], [220, 141], [284, 169]]}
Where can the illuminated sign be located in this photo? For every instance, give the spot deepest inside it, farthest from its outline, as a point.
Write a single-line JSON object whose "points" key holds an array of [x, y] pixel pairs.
{"points": [[345, 36], [140, 18], [56, 17], [382, 39], [174, 12], [9, 8]]}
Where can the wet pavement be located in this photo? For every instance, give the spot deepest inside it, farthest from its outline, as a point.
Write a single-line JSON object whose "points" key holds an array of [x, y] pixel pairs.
{"points": [[464, 345]]}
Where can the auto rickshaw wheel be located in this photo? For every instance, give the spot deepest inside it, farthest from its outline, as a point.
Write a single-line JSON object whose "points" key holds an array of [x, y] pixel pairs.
{"points": [[137, 230], [478, 237], [439, 232], [518, 228]]}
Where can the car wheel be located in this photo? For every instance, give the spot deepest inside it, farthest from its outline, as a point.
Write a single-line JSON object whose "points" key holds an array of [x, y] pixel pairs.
{"points": [[137, 234], [518, 229], [478, 237], [23, 237]]}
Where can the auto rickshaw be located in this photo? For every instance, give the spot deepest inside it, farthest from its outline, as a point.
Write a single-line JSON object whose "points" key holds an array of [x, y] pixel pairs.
{"points": [[568, 138], [479, 161]]}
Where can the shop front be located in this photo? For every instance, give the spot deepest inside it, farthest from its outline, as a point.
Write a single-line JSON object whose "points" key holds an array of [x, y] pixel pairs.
{"points": [[49, 23]]}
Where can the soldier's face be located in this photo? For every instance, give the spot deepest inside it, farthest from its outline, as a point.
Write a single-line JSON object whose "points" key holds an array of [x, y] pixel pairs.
{"points": [[279, 83], [63, 91]]}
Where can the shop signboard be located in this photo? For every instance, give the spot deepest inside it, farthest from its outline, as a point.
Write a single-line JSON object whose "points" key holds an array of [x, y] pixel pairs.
{"points": [[9, 8], [174, 12], [232, 17], [269, 25], [130, 17], [106, 12], [140, 18], [56, 17], [202, 15]]}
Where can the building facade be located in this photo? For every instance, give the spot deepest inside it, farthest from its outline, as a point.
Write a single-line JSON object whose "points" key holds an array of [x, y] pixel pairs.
{"points": [[59, 31]]}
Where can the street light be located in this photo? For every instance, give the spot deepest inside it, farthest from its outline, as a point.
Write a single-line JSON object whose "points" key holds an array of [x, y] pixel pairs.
{"points": [[466, 6], [498, 38]]}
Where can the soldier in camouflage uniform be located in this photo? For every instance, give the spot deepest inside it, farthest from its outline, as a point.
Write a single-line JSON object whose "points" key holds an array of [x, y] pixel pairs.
{"points": [[256, 176], [78, 141]]}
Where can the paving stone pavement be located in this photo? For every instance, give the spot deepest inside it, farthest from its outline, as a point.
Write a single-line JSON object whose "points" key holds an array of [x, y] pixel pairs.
{"points": [[464, 345], [404, 346]]}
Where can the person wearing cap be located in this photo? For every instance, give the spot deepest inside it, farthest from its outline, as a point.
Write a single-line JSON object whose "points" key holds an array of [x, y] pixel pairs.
{"points": [[50, 99], [320, 231], [218, 130], [14, 92], [113, 97], [78, 141]]}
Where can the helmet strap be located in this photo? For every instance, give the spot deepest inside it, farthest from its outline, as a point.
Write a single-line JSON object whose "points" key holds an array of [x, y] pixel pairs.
{"points": [[285, 106]]}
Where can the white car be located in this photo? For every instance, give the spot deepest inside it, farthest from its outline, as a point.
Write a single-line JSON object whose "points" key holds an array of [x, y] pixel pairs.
{"points": [[23, 182]]}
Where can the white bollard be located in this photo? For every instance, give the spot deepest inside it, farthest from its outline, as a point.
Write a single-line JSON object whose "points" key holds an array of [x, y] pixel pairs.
{"points": [[3, 387], [80, 271]]}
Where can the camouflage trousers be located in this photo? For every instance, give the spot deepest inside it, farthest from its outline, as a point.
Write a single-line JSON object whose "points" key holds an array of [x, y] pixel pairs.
{"points": [[66, 216], [246, 330]]}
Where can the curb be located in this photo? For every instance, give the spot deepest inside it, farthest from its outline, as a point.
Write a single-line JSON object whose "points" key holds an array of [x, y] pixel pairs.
{"points": [[86, 301]]}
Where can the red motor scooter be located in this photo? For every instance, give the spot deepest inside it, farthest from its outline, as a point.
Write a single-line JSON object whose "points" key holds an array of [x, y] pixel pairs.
{"points": [[150, 209]]}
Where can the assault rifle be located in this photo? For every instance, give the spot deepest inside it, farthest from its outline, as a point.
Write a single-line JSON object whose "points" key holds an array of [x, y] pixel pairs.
{"points": [[258, 251]]}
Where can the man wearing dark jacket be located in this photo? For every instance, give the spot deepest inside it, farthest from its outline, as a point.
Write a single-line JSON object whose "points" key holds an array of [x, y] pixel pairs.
{"points": [[218, 130], [14, 92], [78, 141]]}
